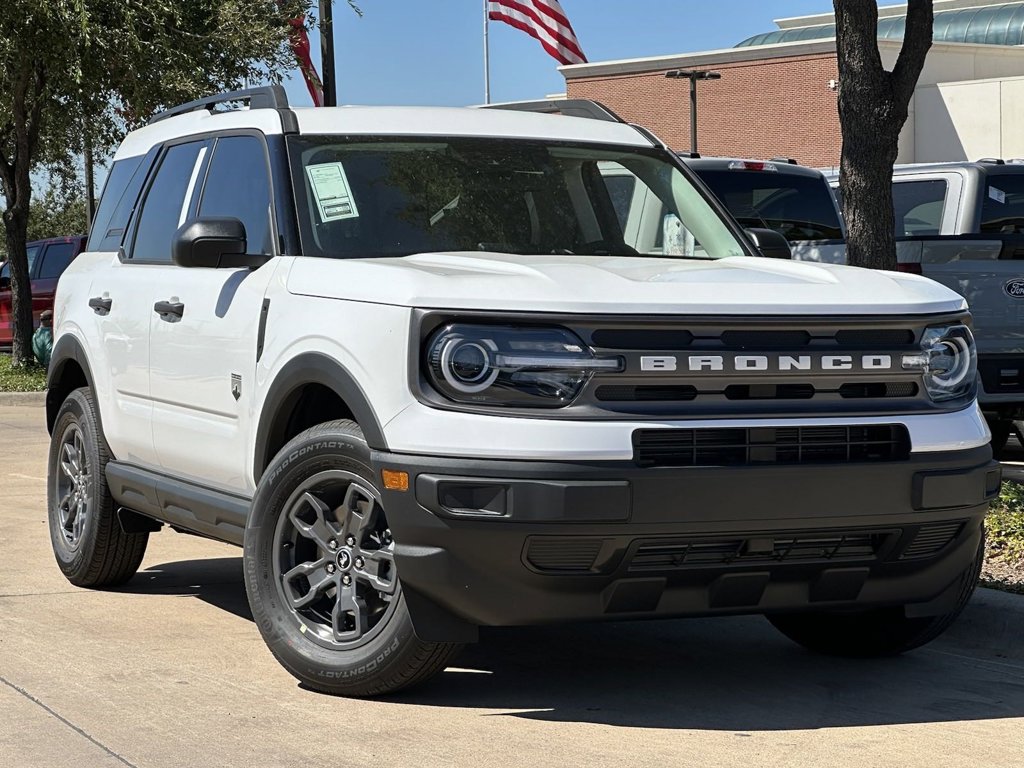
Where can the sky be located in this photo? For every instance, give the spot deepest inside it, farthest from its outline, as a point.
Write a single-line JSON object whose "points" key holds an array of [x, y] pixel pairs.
{"points": [[421, 52]]}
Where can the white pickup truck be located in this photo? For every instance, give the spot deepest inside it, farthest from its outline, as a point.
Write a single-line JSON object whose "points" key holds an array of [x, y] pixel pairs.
{"points": [[411, 361], [962, 224]]}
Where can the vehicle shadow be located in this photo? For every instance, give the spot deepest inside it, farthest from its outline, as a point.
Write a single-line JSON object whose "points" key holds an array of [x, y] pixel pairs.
{"points": [[217, 580], [730, 674]]}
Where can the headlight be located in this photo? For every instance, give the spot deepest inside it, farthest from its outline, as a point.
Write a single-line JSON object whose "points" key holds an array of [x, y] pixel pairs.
{"points": [[509, 366], [948, 361]]}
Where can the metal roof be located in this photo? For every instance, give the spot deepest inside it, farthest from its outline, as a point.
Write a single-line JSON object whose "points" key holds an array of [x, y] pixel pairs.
{"points": [[990, 25]]}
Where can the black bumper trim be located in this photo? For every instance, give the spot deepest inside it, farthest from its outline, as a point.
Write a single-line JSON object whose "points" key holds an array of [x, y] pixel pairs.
{"points": [[801, 536]]}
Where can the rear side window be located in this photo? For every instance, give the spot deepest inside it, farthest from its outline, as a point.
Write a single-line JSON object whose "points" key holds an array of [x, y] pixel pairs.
{"points": [[119, 195], [238, 185], [56, 260], [799, 207], [1002, 210], [918, 205], [167, 201]]}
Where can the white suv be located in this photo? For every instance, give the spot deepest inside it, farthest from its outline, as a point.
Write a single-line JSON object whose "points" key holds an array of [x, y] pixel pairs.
{"points": [[410, 360]]}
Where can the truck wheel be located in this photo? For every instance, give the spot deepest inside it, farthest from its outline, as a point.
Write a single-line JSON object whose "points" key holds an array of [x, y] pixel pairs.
{"points": [[1000, 429], [91, 548], [320, 571], [884, 631]]}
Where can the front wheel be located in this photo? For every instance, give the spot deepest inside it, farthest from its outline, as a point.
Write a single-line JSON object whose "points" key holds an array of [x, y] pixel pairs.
{"points": [[320, 571], [885, 631]]}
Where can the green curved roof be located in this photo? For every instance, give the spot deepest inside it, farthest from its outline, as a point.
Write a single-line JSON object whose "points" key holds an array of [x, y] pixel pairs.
{"points": [[993, 25]]}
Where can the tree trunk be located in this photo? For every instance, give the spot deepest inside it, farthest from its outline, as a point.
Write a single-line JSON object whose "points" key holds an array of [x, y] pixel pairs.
{"points": [[16, 235], [873, 108]]}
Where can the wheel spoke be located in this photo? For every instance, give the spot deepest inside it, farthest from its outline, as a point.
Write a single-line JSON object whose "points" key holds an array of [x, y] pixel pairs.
{"points": [[379, 569], [349, 606], [360, 511], [319, 530], [79, 520], [316, 576]]}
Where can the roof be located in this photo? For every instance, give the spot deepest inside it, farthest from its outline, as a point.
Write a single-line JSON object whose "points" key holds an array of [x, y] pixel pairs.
{"points": [[1001, 24], [389, 121]]}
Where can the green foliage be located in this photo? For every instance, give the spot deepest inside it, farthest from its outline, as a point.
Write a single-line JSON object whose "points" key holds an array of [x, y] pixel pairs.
{"points": [[56, 214], [22, 378], [1005, 523]]}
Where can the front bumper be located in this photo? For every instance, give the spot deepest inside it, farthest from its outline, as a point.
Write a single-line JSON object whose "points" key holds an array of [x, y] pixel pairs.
{"points": [[487, 542]]}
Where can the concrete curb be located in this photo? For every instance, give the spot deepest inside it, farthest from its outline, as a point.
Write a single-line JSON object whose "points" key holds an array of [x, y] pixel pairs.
{"points": [[22, 398]]}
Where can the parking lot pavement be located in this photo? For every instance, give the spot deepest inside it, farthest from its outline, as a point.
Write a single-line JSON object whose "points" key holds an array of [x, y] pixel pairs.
{"points": [[170, 671]]}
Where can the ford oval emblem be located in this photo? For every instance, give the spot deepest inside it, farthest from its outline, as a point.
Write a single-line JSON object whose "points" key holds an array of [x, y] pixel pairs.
{"points": [[1014, 288]]}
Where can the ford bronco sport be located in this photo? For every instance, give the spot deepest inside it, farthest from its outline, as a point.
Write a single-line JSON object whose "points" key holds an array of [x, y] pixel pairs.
{"points": [[411, 362]]}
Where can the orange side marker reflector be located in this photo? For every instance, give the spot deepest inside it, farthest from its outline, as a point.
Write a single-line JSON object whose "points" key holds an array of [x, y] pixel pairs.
{"points": [[395, 480]]}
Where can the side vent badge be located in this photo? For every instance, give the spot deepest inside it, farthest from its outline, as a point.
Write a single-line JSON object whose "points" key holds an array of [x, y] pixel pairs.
{"points": [[236, 386]]}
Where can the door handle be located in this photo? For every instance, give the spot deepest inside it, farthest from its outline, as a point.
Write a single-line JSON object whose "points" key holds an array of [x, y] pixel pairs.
{"points": [[169, 309], [100, 305]]}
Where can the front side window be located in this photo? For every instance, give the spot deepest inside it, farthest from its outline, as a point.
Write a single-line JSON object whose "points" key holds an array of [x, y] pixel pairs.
{"points": [[167, 201], [799, 207], [238, 185], [367, 198]]}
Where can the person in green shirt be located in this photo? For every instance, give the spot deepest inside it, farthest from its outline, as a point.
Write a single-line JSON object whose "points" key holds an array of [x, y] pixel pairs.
{"points": [[42, 339]]}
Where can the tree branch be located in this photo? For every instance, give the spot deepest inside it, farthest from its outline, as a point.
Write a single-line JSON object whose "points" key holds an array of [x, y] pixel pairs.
{"points": [[917, 41]]}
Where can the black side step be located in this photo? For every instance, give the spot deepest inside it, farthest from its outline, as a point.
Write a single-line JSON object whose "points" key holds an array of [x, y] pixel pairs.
{"points": [[216, 514]]}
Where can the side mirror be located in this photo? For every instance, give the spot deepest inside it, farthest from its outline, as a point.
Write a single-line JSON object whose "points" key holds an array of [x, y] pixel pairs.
{"points": [[770, 243], [213, 242]]}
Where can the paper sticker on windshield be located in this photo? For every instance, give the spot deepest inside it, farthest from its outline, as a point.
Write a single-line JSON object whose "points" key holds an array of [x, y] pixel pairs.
{"points": [[331, 191], [997, 194]]}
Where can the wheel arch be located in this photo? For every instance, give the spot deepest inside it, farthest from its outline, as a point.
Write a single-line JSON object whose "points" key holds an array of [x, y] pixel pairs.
{"points": [[308, 379], [68, 370]]}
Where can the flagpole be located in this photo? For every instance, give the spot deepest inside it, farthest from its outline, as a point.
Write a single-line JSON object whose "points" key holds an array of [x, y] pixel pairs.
{"points": [[487, 57]]}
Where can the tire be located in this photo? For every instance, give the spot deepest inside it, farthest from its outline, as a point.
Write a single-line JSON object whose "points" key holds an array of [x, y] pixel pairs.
{"points": [[877, 632], [1000, 429], [90, 547], [320, 571]]}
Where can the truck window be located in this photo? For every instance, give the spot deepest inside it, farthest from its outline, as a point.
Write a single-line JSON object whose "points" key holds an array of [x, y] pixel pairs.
{"points": [[56, 260], [165, 205], [119, 194], [799, 207], [918, 206], [238, 185], [1002, 210]]}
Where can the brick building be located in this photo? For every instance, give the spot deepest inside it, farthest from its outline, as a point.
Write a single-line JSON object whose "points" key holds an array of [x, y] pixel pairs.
{"points": [[776, 95]]}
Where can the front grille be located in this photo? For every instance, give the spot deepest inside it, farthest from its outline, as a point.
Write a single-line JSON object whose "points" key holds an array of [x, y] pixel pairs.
{"points": [[648, 394], [769, 392], [874, 337], [1002, 374], [770, 445], [791, 548], [931, 539], [879, 389], [562, 553]]}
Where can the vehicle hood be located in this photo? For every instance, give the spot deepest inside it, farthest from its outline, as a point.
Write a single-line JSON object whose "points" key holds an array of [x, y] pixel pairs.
{"points": [[620, 285]]}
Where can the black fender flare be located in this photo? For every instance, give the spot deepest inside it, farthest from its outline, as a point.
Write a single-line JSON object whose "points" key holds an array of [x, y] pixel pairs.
{"points": [[68, 348], [314, 368]]}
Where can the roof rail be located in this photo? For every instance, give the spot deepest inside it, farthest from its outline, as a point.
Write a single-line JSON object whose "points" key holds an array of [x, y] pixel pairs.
{"points": [[264, 97], [593, 110], [993, 160]]}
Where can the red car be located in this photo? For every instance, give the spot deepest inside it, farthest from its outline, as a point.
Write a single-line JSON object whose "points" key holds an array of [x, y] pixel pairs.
{"points": [[47, 260]]}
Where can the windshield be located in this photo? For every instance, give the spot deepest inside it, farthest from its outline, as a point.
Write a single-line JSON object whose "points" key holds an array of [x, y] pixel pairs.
{"points": [[396, 197], [800, 208]]}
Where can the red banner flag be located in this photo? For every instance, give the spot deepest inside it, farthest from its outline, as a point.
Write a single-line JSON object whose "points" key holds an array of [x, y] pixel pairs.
{"points": [[544, 20], [299, 40]]}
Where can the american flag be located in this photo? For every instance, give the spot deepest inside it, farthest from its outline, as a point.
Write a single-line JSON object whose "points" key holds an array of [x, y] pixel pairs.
{"points": [[544, 20]]}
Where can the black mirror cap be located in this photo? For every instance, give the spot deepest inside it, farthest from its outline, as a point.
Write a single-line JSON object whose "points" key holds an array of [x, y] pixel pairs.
{"points": [[770, 243], [213, 242]]}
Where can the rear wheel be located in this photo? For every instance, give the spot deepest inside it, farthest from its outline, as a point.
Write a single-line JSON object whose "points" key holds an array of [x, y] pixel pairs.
{"points": [[91, 548], [885, 631], [320, 571]]}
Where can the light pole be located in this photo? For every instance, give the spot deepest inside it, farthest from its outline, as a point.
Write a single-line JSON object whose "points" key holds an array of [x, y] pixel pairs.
{"points": [[693, 75], [328, 76]]}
